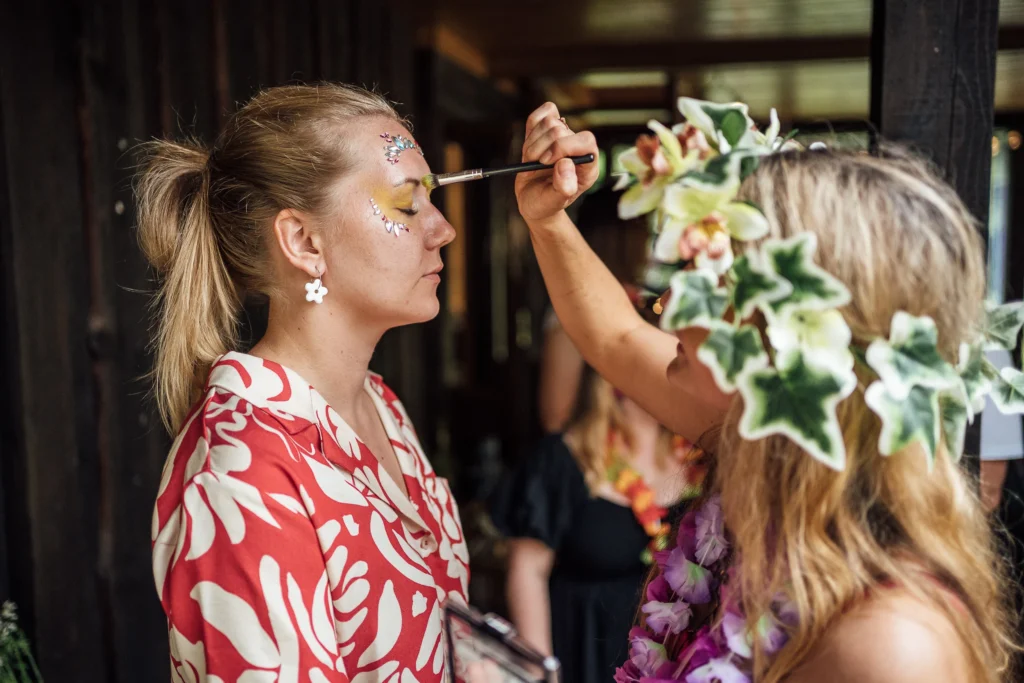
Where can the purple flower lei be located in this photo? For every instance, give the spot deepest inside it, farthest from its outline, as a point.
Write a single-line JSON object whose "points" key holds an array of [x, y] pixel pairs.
{"points": [[663, 650]]}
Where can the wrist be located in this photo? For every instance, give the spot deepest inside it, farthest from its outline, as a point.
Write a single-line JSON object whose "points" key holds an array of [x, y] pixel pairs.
{"points": [[551, 223]]}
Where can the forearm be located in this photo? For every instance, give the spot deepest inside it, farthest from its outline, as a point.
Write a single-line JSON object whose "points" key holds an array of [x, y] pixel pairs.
{"points": [[530, 607], [590, 302]]}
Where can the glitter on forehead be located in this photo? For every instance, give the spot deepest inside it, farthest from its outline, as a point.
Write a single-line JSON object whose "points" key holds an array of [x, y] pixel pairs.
{"points": [[396, 145], [391, 226]]}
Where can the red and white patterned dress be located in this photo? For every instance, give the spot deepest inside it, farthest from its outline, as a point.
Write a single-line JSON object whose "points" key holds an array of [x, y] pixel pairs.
{"points": [[283, 551]]}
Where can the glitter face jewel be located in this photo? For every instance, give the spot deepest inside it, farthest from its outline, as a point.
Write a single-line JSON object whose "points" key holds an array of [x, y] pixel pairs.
{"points": [[396, 145], [390, 225]]}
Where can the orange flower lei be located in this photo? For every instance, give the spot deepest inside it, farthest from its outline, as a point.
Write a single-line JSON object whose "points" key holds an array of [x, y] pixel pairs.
{"points": [[627, 481]]}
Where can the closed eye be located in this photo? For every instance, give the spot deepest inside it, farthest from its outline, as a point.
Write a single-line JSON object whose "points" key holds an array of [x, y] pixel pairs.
{"points": [[409, 212]]}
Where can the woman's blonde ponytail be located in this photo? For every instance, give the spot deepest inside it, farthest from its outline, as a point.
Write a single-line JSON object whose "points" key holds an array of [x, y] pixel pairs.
{"points": [[197, 305]]}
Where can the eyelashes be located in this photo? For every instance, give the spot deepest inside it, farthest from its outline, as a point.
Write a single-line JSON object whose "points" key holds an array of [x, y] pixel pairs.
{"points": [[409, 212], [391, 226]]}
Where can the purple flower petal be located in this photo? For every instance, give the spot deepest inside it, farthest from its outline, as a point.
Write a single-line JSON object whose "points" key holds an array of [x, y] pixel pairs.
{"points": [[627, 673], [667, 617], [719, 670], [638, 632], [710, 532], [658, 590], [686, 537], [786, 610], [648, 656], [700, 651], [661, 558], [690, 581], [772, 634], [734, 628]]}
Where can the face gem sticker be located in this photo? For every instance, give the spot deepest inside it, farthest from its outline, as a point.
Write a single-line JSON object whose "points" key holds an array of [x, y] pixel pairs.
{"points": [[396, 145], [390, 225]]}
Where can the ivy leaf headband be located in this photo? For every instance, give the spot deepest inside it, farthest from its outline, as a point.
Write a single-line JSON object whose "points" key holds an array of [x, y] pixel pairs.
{"points": [[687, 179]]}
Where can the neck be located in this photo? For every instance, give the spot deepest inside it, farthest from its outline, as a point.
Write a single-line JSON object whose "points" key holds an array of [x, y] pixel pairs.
{"points": [[330, 347]]}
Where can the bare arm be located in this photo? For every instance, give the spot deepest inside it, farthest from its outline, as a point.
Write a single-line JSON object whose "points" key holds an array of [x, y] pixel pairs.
{"points": [[624, 348], [591, 304], [561, 367], [529, 568]]}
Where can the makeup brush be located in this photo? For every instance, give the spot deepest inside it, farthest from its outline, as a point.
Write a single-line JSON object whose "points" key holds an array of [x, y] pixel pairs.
{"points": [[436, 180]]}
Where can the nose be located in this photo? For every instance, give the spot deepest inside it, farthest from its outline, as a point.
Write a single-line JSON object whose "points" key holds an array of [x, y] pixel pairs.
{"points": [[441, 233]]}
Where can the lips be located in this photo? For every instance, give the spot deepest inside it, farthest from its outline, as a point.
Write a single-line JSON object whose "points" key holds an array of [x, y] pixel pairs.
{"points": [[436, 271]]}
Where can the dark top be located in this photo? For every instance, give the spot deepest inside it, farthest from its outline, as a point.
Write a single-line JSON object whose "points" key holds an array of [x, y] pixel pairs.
{"points": [[598, 575]]}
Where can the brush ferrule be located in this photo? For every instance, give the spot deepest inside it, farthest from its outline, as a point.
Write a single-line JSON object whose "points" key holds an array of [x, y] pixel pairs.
{"points": [[460, 177]]}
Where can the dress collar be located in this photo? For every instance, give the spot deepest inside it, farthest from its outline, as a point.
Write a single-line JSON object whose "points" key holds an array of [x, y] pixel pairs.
{"points": [[296, 403]]}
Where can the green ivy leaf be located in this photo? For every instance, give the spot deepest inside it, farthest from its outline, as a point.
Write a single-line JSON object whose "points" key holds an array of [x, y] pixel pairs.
{"points": [[733, 126], [813, 287], [1004, 323], [976, 376], [955, 415], [1009, 392], [730, 352], [696, 300], [910, 358], [720, 175], [906, 421], [711, 117], [798, 400], [755, 284]]}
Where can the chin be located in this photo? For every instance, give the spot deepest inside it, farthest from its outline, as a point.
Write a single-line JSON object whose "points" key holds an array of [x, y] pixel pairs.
{"points": [[424, 311]]}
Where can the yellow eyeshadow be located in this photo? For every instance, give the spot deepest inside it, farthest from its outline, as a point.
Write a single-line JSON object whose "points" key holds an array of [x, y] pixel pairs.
{"points": [[392, 226]]}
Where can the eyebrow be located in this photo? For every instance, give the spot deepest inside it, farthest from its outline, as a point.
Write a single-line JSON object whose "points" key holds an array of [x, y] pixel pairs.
{"points": [[415, 182]]}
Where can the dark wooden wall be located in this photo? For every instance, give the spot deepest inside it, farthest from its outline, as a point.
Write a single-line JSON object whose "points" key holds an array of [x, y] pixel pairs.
{"points": [[81, 449]]}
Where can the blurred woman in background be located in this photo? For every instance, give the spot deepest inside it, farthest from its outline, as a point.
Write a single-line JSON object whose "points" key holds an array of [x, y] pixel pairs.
{"points": [[587, 509]]}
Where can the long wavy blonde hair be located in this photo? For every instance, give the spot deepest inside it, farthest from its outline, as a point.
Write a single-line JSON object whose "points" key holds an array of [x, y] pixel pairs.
{"points": [[900, 239]]}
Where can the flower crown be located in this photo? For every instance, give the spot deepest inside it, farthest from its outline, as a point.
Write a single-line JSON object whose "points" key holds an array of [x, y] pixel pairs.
{"points": [[688, 179]]}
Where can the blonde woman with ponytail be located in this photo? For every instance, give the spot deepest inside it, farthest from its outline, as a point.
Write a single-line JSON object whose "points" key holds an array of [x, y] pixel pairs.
{"points": [[299, 533], [822, 341]]}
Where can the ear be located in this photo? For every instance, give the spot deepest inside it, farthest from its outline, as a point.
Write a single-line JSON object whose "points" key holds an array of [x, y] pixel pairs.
{"points": [[299, 244]]}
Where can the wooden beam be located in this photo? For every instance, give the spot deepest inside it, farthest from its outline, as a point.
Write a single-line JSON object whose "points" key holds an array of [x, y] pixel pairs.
{"points": [[933, 87], [576, 59]]}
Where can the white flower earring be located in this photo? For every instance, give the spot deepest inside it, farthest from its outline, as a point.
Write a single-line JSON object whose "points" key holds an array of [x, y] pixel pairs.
{"points": [[315, 290]]}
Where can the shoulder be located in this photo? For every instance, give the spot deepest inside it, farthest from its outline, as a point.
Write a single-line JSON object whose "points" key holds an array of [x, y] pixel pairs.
{"points": [[891, 637], [225, 433]]}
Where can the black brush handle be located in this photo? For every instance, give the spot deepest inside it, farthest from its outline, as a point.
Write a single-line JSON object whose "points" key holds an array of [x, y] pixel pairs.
{"points": [[533, 166]]}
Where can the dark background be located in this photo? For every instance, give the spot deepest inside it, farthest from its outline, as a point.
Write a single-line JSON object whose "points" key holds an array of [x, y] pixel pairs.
{"points": [[81, 83]]}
